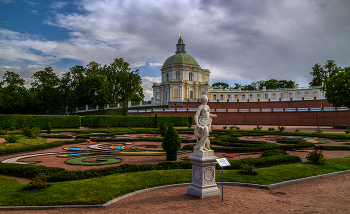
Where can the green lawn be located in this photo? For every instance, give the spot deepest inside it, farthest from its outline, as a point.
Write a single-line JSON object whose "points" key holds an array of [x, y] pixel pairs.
{"points": [[103, 189]]}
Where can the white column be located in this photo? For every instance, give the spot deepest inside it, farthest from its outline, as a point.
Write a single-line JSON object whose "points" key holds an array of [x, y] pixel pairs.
{"points": [[171, 92], [196, 92], [181, 92]]}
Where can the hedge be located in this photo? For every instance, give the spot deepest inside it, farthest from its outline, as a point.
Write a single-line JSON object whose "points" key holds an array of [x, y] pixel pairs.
{"points": [[57, 121], [27, 170], [133, 121], [333, 147]]}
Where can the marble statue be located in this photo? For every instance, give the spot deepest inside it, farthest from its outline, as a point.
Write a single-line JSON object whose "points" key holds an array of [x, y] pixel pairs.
{"points": [[203, 127]]}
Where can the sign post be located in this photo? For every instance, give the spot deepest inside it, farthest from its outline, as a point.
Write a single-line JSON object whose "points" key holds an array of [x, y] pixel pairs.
{"points": [[223, 162]]}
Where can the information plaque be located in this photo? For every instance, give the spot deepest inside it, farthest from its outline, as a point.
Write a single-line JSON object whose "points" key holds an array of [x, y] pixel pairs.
{"points": [[223, 162]]}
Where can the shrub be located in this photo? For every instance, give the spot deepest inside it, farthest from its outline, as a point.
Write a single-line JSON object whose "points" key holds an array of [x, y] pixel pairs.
{"points": [[347, 131], [39, 182], [155, 124], [248, 169], [225, 127], [271, 129], [237, 127], [281, 128], [30, 132], [319, 130], [258, 128], [11, 139], [190, 121], [232, 127], [162, 128], [171, 141], [274, 152], [12, 128], [2, 132], [316, 157], [297, 130], [48, 126]]}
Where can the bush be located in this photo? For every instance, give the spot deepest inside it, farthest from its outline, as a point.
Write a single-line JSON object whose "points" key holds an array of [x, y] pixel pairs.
{"points": [[48, 126], [232, 127], [316, 157], [162, 128], [190, 121], [248, 169], [57, 121], [39, 182], [274, 152], [257, 128], [12, 128], [225, 127], [347, 131], [155, 123], [2, 132], [281, 128], [271, 129], [333, 147], [171, 141], [297, 130], [11, 139], [319, 130], [31, 132]]}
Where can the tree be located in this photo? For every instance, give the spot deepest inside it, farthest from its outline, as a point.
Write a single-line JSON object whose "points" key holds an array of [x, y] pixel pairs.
{"points": [[47, 94], [322, 73], [14, 97], [220, 85], [337, 88], [285, 83]]}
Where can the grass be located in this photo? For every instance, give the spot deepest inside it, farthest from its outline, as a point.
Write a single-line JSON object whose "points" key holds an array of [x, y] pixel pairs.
{"points": [[23, 142], [102, 189]]}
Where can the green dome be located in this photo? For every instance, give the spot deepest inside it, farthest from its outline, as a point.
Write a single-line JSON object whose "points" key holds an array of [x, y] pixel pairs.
{"points": [[180, 59]]}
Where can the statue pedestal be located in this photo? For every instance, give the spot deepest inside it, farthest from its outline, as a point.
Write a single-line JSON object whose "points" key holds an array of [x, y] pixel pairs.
{"points": [[203, 176]]}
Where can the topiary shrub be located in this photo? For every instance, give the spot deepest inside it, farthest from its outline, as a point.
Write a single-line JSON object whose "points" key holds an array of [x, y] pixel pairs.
{"points": [[190, 121], [171, 141], [155, 124], [162, 128], [274, 152], [48, 126]]}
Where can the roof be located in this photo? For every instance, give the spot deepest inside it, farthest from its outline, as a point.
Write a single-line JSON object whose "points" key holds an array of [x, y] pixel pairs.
{"points": [[180, 59]]}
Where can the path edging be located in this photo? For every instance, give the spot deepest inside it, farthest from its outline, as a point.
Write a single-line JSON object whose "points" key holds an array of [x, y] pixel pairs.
{"points": [[259, 186]]}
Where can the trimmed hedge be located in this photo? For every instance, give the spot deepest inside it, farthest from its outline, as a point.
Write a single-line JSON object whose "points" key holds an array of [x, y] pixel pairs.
{"points": [[57, 121], [133, 121], [333, 147], [28, 170]]}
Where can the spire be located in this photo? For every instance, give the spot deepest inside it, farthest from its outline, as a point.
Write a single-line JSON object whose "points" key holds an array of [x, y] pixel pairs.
{"points": [[180, 47]]}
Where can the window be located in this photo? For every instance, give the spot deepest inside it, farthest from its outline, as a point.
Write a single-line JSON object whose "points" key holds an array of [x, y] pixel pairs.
{"points": [[258, 96], [281, 95], [177, 75], [191, 94], [315, 93], [228, 97], [158, 96], [214, 97], [273, 95], [243, 97], [306, 94], [167, 76], [221, 97], [266, 96], [236, 97], [166, 95], [190, 77], [250, 96], [298, 95], [290, 95]]}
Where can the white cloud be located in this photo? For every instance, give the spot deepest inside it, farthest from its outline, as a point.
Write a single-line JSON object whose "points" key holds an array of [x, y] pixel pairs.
{"points": [[137, 64], [58, 5], [155, 64], [147, 83]]}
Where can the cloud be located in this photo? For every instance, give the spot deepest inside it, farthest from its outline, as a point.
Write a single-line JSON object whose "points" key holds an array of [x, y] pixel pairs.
{"points": [[147, 83], [58, 5], [137, 64], [155, 65]]}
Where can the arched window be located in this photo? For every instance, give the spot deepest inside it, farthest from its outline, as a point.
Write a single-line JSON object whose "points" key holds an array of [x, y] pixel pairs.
{"points": [[190, 77], [177, 75]]}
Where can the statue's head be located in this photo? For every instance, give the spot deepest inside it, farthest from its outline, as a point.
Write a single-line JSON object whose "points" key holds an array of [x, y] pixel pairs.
{"points": [[204, 98]]}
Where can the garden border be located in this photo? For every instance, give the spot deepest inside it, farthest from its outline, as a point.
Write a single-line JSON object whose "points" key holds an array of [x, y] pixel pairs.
{"points": [[259, 186]]}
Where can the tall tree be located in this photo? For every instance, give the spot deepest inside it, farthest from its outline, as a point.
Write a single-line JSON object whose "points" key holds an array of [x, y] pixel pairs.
{"points": [[14, 97], [337, 88], [322, 73]]}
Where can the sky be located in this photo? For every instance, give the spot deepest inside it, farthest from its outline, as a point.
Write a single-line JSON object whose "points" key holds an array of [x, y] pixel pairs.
{"points": [[239, 41]]}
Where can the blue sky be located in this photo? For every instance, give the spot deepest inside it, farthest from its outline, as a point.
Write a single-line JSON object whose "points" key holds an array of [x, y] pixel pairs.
{"points": [[239, 41]]}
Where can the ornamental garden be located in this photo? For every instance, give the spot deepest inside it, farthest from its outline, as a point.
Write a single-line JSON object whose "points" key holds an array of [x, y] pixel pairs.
{"points": [[94, 159]]}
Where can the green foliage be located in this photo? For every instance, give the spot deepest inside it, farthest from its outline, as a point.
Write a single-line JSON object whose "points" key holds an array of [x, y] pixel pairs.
{"points": [[337, 88], [271, 129], [39, 182], [281, 128], [11, 138], [190, 121], [319, 130], [248, 169], [316, 157], [12, 128], [48, 126], [2, 132], [297, 130], [272, 152], [258, 128], [333, 147], [57, 121], [220, 85], [27, 170], [155, 124], [163, 128], [225, 127], [31, 132], [134, 121], [171, 141], [347, 131], [323, 73]]}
